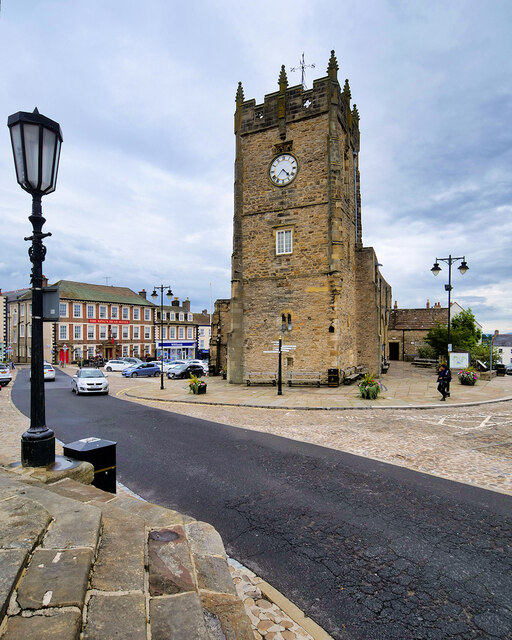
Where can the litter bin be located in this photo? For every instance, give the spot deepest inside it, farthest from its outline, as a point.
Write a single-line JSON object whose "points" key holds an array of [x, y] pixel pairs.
{"points": [[500, 370], [101, 454], [333, 377]]}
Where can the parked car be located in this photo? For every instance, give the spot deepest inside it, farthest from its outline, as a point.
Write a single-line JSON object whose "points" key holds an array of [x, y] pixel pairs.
{"points": [[131, 360], [116, 365], [142, 369], [508, 369], [5, 374], [158, 363], [185, 371], [48, 372], [203, 364], [89, 381]]}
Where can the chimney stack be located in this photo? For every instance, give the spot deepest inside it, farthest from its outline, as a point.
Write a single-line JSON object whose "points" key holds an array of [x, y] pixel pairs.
{"points": [[142, 294], [428, 304]]}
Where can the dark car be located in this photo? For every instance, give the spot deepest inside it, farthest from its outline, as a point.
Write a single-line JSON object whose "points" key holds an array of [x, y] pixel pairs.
{"points": [[508, 369], [142, 369], [185, 371]]}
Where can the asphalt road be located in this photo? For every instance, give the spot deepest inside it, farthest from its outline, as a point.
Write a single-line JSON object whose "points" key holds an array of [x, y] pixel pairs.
{"points": [[367, 549]]}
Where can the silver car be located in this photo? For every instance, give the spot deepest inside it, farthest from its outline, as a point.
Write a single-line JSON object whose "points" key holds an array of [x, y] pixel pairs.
{"points": [[89, 381], [5, 375]]}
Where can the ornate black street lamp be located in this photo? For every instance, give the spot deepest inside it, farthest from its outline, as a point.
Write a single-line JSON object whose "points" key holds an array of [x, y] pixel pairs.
{"points": [[36, 142], [154, 295], [436, 269]]}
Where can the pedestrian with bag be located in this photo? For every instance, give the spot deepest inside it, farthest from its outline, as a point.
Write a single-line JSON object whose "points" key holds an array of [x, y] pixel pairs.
{"points": [[443, 379]]}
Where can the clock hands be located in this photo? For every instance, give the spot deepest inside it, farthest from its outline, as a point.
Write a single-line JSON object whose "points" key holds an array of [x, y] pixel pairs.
{"points": [[283, 169]]}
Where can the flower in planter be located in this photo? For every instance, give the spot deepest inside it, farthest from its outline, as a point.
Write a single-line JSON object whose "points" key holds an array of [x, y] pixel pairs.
{"points": [[468, 376], [195, 385], [369, 387]]}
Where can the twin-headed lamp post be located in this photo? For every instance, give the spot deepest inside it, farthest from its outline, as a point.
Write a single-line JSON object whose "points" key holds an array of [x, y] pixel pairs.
{"points": [[36, 142], [154, 295], [436, 269]]}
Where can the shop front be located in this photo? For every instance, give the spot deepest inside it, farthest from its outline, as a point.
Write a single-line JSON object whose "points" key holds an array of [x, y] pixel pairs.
{"points": [[176, 349]]}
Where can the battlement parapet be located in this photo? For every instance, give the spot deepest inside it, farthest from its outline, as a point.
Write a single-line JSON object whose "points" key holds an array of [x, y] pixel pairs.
{"points": [[299, 104]]}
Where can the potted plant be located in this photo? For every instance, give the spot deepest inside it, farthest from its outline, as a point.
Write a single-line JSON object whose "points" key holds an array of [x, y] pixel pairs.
{"points": [[468, 376], [196, 386], [369, 387], [224, 373]]}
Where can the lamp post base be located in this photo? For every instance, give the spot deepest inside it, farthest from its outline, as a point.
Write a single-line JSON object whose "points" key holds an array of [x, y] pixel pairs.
{"points": [[37, 448]]}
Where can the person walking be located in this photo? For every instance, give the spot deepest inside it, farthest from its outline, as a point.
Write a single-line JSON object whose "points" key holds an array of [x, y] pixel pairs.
{"points": [[443, 379]]}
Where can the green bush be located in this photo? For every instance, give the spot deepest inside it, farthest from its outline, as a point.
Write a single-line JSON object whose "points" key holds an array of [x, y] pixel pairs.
{"points": [[426, 351]]}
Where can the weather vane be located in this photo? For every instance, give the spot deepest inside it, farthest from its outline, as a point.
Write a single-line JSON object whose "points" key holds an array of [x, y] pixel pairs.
{"points": [[303, 66]]}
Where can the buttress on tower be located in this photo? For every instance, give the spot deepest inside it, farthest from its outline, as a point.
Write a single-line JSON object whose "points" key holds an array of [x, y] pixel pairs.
{"points": [[299, 268]]}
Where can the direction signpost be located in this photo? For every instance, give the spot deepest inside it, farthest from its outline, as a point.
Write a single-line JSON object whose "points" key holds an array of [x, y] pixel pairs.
{"points": [[280, 348]]}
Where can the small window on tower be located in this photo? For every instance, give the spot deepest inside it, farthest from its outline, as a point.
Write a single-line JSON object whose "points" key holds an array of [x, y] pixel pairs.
{"points": [[284, 241]]}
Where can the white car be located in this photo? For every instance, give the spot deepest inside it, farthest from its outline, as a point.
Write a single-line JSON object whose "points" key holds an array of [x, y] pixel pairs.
{"points": [[89, 381], [5, 375], [116, 365], [48, 372], [167, 365]]}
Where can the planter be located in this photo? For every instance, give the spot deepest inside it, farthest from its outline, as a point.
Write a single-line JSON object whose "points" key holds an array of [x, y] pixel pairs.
{"points": [[369, 393], [198, 390], [469, 383]]}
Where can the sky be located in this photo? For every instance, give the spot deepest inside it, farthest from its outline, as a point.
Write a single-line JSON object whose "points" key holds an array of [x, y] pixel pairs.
{"points": [[144, 91]]}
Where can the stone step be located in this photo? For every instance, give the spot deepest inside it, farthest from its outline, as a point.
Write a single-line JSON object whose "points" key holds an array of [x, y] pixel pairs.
{"points": [[153, 572]]}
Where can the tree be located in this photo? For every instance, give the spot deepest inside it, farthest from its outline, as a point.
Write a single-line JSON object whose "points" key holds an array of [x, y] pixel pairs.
{"points": [[464, 334]]}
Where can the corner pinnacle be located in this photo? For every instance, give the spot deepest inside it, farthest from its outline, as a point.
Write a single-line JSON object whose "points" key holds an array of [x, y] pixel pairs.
{"points": [[283, 80], [332, 69], [239, 94]]}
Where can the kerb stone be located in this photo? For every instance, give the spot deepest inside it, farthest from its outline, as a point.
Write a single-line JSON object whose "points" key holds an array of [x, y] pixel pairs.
{"points": [[178, 617], [116, 616]]}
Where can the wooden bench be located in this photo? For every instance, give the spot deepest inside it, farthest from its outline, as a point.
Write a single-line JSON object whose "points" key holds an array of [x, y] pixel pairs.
{"points": [[262, 377], [352, 374], [304, 377], [424, 362]]}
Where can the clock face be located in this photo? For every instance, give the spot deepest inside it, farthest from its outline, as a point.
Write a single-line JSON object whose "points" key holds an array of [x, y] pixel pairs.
{"points": [[283, 169]]}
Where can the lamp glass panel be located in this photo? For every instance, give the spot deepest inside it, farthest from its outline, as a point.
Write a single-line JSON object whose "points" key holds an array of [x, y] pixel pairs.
{"points": [[31, 135], [18, 152], [49, 138]]}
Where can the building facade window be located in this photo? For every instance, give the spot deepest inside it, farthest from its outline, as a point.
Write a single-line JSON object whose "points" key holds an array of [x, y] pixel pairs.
{"points": [[284, 241], [77, 310], [63, 310], [190, 333], [173, 316], [126, 333], [103, 311], [147, 314], [125, 350], [90, 332], [182, 317], [114, 332], [172, 333], [126, 313], [29, 330], [190, 317], [136, 350], [90, 311], [114, 312], [103, 332], [77, 332], [181, 333], [136, 313], [136, 333], [22, 330], [63, 331], [22, 310], [147, 333]]}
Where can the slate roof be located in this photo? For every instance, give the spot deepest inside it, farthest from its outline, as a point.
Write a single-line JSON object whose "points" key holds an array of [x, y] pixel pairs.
{"points": [[84, 292], [503, 340]]}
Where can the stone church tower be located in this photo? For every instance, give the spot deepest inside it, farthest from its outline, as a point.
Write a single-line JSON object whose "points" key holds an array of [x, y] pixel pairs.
{"points": [[299, 268]]}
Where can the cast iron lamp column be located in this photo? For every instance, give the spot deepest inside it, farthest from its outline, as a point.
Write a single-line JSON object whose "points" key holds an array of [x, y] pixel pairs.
{"points": [[154, 295], [36, 142], [436, 269]]}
